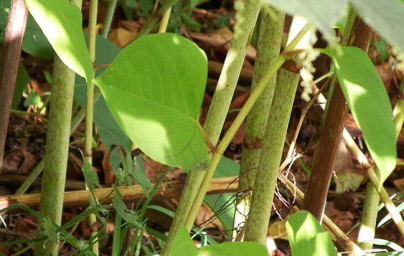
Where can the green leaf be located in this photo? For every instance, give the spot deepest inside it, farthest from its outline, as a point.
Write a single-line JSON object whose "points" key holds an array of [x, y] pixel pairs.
{"points": [[60, 21], [322, 14], [90, 176], [370, 105], [154, 89], [182, 243], [20, 84], [140, 175], [307, 236], [385, 17], [129, 216]]}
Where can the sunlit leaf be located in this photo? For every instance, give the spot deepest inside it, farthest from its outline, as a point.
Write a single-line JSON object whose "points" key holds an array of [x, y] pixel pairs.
{"points": [[154, 89], [183, 245], [370, 105], [61, 22]]}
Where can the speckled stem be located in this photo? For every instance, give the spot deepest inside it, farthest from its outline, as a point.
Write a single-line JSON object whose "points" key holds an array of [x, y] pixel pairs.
{"points": [[247, 14], [268, 49], [56, 154]]}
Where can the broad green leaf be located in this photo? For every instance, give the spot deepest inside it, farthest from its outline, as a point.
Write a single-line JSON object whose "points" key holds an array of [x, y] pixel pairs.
{"points": [[370, 105], [60, 21], [154, 89], [322, 14], [307, 237], [183, 245], [385, 17]]}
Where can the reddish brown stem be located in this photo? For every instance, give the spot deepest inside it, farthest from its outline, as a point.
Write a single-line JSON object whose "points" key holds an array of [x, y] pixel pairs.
{"points": [[331, 133], [10, 58]]}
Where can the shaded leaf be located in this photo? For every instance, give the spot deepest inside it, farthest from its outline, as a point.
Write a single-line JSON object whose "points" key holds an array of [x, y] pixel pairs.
{"points": [[154, 89], [385, 17], [322, 14]]}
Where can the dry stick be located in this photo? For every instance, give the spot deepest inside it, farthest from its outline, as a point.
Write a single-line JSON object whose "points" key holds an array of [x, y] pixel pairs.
{"points": [[89, 110], [268, 47], [133, 193], [246, 17], [331, 132], [237, 123], [17, 20]]}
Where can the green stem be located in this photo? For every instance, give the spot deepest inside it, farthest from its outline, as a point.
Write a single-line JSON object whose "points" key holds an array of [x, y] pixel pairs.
{"points": [[152, 21], [164, 21], [271, 154], [246, 17], [56, 154], [236, 125], [89, 109], [371, 203], [268, 48], [108, 18]]}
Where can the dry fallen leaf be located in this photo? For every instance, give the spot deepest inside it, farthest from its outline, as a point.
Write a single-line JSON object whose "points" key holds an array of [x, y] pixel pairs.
{"points": [[121, 36], [277, 230], [221, 38]]}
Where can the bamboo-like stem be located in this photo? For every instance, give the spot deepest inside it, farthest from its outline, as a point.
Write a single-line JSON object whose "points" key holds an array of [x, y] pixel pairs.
{"points": [[371, 203], [268, 48], [16, 23], [395, 214], [357, 33], [39, 167], [271, 154], [272, 148], [108, 18], [164, 21], [56, 154], [89, 109], [246, 17], [55, 160], [237, 123]]}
